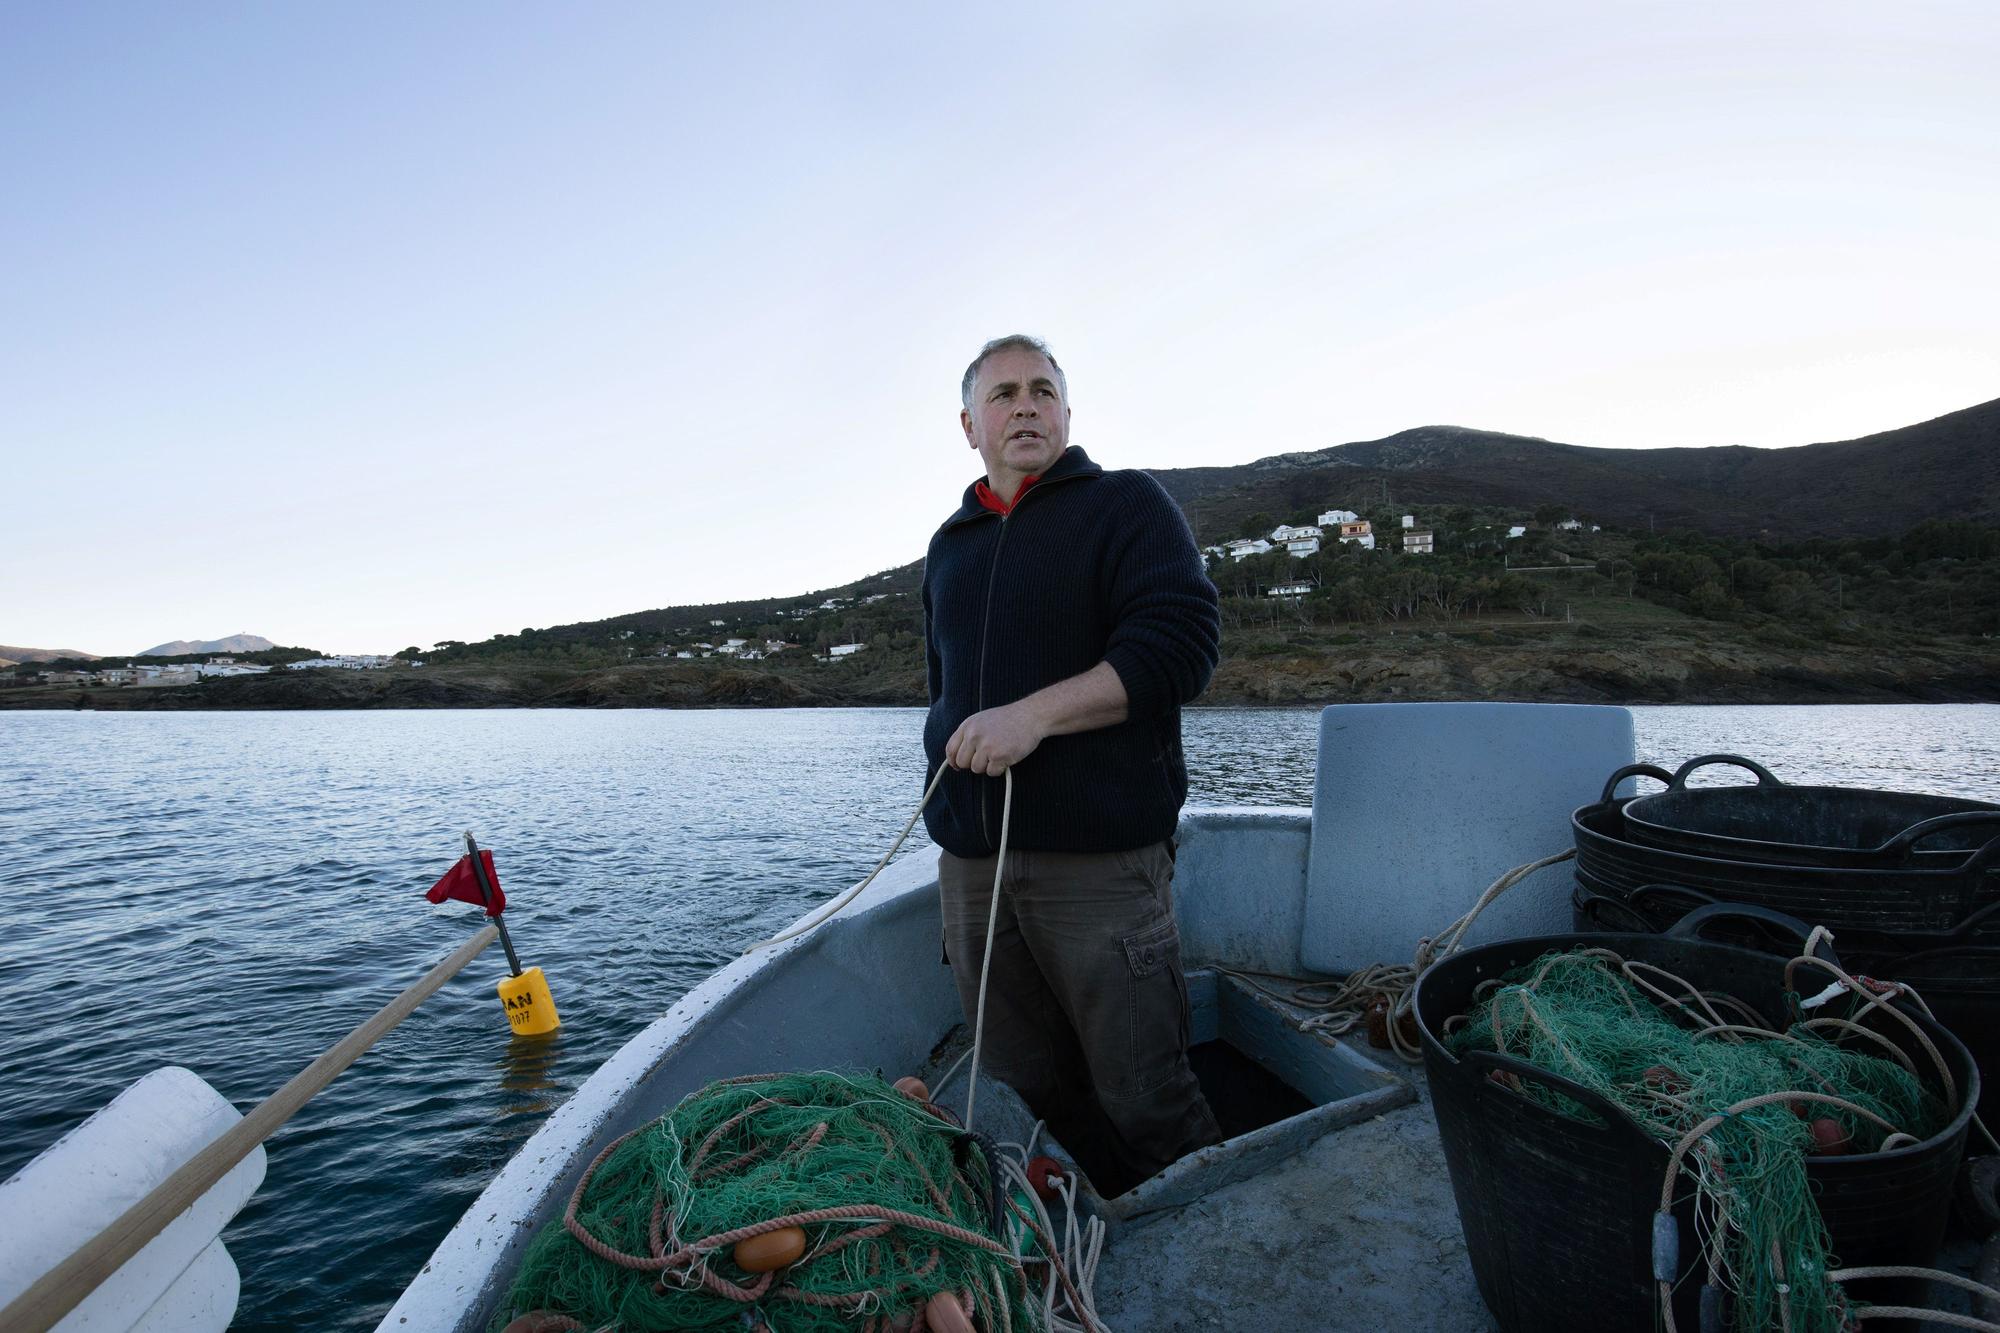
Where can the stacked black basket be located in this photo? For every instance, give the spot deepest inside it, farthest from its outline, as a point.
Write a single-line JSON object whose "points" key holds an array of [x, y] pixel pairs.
{"points": [[1909, 884]]}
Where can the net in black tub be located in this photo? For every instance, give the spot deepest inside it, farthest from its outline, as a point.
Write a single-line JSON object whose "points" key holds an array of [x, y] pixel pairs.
{"points": [[1565, 1072]]}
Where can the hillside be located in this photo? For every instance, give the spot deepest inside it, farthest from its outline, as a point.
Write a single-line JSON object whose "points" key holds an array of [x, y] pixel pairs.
{"points": [[1880, 485]]}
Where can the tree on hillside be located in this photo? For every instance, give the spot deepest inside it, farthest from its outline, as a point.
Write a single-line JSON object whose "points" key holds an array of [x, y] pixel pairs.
{"points": [[1941, 538], [1711, 601]]}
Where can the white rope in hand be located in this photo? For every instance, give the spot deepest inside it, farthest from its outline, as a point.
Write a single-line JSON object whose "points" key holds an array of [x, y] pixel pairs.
{"points": [[986, 957]]}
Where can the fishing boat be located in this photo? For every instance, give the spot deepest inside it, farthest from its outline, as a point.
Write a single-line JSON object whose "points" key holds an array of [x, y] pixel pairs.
{"points": [[1328, 1206]]}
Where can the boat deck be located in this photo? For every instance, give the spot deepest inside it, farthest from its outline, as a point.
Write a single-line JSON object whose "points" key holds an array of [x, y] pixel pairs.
{"points": [[1355, 1230], [1358, 1231]]}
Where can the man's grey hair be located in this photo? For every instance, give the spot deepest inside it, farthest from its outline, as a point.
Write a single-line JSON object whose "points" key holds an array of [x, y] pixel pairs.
{"points": [[1012, 340]]}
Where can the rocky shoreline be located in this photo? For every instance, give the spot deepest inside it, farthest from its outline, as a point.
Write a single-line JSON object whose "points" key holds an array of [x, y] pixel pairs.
{"points": [[1406, 667]]}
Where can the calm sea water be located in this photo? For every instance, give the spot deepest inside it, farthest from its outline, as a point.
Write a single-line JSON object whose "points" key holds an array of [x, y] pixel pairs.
{"points": [[234, 891]]}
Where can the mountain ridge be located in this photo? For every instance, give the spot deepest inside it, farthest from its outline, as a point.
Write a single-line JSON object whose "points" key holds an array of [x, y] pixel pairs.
{"points": [[1875, 485], [13, 654], [235, 643]]}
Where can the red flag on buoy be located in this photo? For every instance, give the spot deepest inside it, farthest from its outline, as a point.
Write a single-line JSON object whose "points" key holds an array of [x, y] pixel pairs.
{"points": [[462, 885]]}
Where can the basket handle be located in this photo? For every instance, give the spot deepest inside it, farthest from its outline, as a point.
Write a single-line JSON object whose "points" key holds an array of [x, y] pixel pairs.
{"points": [[1972, 921], [1695, 898], [1633, 771], [1681, 774], [1979, 951], [1593, 906], [1905, 842], [1615, 1118], [1689, 927]]}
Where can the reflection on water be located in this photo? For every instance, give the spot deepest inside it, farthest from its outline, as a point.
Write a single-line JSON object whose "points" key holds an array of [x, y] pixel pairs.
{"points": [[252, 884], [526, 1075]]}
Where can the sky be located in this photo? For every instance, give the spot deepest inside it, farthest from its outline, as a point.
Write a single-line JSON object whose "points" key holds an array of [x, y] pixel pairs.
{"points": [[367, 325]]}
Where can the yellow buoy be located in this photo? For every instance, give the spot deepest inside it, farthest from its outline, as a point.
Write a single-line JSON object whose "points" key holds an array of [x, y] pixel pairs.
{"points": [[531, 1010]]}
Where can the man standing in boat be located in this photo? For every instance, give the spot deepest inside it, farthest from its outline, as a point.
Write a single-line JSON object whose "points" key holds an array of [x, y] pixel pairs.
{"points": [[1067, 620]]}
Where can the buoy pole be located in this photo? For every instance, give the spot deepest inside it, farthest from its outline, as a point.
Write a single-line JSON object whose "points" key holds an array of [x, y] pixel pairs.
{"points": [[524, 992], [486, 892]]}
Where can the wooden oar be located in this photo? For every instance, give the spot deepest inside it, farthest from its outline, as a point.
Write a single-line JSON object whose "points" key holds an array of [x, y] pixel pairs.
{"points": [[64, 1287]]}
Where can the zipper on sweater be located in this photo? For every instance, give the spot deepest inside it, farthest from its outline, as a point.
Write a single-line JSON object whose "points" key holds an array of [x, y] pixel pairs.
{"points": [[985, 623]]}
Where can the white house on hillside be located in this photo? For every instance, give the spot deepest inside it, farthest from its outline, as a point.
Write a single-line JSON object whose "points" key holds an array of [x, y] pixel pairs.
{"points": [[1360, 532], [346, 661], [1299, 547], [1417, 541], [1336, 516], [1245, 547]]}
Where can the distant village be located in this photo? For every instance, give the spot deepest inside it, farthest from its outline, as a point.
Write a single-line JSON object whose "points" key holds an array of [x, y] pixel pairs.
{"points": [[191, 673], [1304, 540], [1345, 527]]}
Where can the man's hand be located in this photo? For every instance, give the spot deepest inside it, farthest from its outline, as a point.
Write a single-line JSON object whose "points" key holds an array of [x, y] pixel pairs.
{"points": [[995, 740]]}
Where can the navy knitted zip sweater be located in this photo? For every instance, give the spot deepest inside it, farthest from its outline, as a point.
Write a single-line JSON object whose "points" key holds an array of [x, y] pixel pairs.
{"points": [[1089, 566]]}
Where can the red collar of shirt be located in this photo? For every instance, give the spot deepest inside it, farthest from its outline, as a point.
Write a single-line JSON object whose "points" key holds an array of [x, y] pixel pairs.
{"points": [[986, 497]]}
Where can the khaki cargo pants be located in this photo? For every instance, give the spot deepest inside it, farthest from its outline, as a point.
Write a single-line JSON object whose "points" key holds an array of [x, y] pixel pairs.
{"points": [[1086, 1005]]}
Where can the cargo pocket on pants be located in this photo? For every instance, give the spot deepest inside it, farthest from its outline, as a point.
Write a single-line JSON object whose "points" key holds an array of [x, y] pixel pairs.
{"points": [[1158, 1006]]}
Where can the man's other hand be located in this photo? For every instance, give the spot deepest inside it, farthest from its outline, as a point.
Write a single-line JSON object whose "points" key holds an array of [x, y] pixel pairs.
{"points": [[993, 741]]}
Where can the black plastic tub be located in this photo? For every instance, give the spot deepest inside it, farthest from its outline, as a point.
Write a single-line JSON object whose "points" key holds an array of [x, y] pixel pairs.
{"points": [[1851, 828], [1558, 1211], [1911, 907]]}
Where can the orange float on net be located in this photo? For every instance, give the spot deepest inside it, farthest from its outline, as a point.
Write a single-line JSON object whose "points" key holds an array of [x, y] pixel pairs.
{"points": [[770, 1250], [540, 1321], [1828, 1138], [914, 1088], [1044, 1173], [945, 1315]]}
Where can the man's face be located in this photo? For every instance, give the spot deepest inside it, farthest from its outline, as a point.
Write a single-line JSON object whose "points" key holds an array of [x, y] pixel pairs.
{"points": [[1018, 420]]}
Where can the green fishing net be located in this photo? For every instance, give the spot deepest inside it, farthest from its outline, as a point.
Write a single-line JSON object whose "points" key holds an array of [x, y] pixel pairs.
{"points": [[1582, 1016], [745, 1152]]}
